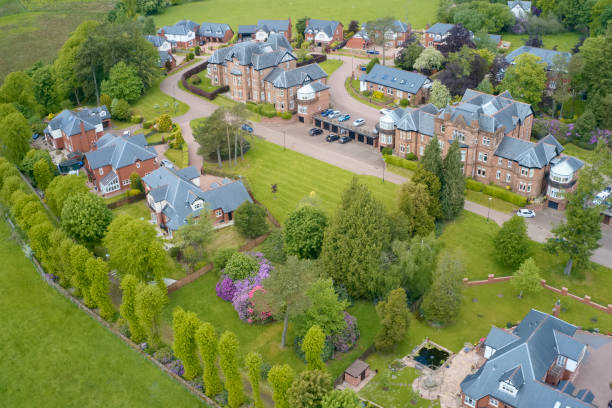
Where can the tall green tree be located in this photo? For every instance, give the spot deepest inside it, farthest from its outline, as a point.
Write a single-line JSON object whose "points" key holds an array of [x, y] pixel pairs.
{"points": [[485, 86], [18, 89], [79, 256], [192, 237], [99, 289], [312, 346], [526, 79], [127, 310], [601, 15], [355, 240], [148, 305], [432, 159], [377, 31], [253, 362], [433, 185], [453, 183], [33, 156], [429, 60], [206, 339], [184, 327], [43, 174], [15, 136], [325, 309], [442, 302], [309, 388], [527, 278], [228, 350], [341, 399], [62, 188], [123, 83], [210, 135], [44, 88], [280, 378], [85, 217], [250, 220], [394, 318], [512, 242], [440, 95], [408, 56], [414, 203], [303, 232]]}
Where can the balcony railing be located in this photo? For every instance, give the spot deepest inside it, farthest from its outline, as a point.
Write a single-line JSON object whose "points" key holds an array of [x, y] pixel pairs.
{"points": [[557, 184]]}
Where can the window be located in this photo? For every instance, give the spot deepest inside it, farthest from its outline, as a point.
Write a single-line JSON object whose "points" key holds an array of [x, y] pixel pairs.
{"points": [[483, 157], [101, 171], [529, 187], [240, 93], [290, 91], [197, 205], [554, 192], [402, 149], [214, 68], [470, 402], [508, 177], [524, 171], [263, 96], [441, 144], [499, 161], [458, 135], [504, 386], [422, 138], [552, 84], [521, 186], [561, 360], [389, 91], [421, 150], [399, 93], [430, 44], [282, 92], [442, 128], [126, 182], [291, 105], [380, 88], [137, 165], [486, 141], [493, 402], [218, 213], [302, 109], [498, 174], [481, 172], [463, 154], [509, 164], [530, 173]]}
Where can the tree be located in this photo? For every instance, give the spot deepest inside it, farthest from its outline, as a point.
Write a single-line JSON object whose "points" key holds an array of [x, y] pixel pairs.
{"points": [[465, 69], [206, 339], [440, 95], [164, 123], [99, 289], [300, 27], [601, 15], [253, 362], [134, 249], [498, 69], [85, 217], [59, 255], [433, 186], [192, 237], [79, 256], [453, 183], [408, 56], [285, 290], [586, 124], [43, 85], [120, 109], [31, 157], [432, 158], [15, 136], [481, 15], [414, 203], [309, 388], [210, 134], [184, 327], [458, 36], [151, 6], [62, 188], [148, 305], [228, 350], [574, 14], [250, 220], [280, 378], [341, 399], [312, 346], [240, 266], [303, 232], [18, 89], [378, 30], [512, 243], [485, 86], [482, 40], [394, 318], [136, 182], [442, 301], [527, 278], [353, 26], [273, 248], [429, 60], [354, 241], [371, 64], [42, 174], [526, 79], [123, 83], [127, 310], [325, 309]]}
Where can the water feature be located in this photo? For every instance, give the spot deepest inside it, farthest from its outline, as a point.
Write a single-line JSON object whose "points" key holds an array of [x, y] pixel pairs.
{"points": [[431, 357]]}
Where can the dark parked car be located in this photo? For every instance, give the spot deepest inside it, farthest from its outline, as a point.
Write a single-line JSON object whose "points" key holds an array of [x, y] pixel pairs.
{"points": [[332, 137], [315, 131], [344, 139], [35, 136], [247, 128], [326, 112], [373, 52]]}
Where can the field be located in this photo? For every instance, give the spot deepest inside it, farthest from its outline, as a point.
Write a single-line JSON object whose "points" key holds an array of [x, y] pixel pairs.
{"points": [[37, 33], [48, 339], [563, 41], [418, 13]]}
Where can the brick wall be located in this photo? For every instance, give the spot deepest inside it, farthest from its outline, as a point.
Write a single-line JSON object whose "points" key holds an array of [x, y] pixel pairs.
{"points": [[419, 98]]}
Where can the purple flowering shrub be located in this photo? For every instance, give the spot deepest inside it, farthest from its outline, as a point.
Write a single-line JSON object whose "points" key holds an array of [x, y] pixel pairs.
{"points": [[176, 366], [347, 338], [225, 288]]}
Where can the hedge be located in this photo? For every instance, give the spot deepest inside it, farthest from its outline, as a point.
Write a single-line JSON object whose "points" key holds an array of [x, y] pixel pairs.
{"points": [[266, 109], [398, 161], [185, 150], [497, 192]]}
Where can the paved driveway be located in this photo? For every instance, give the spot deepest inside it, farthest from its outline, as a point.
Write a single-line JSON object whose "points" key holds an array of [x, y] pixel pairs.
{"points": [[594, 372]]}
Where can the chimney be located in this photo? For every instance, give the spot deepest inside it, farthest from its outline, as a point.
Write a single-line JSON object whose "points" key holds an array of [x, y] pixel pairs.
{"points": [[82, 127], [557, 308]]}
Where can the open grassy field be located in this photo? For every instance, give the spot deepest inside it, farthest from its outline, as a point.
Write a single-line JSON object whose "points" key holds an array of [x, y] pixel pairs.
{"points": [[416, 12], [56, 355], [37, 33], [563, 41]]}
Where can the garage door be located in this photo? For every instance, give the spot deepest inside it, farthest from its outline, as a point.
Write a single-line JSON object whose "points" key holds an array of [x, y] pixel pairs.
{"points": [[552, 204]]}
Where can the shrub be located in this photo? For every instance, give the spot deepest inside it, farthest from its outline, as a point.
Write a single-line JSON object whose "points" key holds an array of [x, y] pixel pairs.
{"points": [[387, 151], [367, 93], [378, 95], [326, 354], [286, 115], [136, 119], [148, 124], [398, 161], [195, 79], [225, 289], [497, 192], [163, 355], [404, 102], [240, 266], [250, 220], [347, 338], [197, 51], [411, 156], [189, 56], [221, 257], [371, 64], [265, 369], [174, 251], [120, 109]]}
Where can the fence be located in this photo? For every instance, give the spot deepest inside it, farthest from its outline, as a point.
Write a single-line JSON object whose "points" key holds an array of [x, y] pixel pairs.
{"points": [[318, 58], [126, 200], [189, 278], [196, 70], [563, 291]]}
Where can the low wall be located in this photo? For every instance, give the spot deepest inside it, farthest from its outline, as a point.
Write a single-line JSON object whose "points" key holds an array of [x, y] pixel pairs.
{"points": [[318, 58], [563, 291], [194, 89]]}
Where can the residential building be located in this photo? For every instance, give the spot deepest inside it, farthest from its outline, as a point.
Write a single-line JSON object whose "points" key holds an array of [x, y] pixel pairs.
{"points": [[395, 37], [436, 34], [311, 99], [77, 130], [246, 32], [214, 32], [263, 72], [267, 27], [396, 83], [159, 42], [175, 195], [181, 35], [548, 57], [520, 9], [113, 159], [532, 366], [562, 179], [165, 56], [359, 41], [323, 32], [493, 133]]}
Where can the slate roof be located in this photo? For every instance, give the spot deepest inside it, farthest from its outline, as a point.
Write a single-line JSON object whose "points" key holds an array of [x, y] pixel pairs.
{"points": [[567, 346], [155, 40], [176, 188], [399, 27], [273, 26], [547, 56], [499, 338], [317, 86], [215, 30], [524, 363], [327, 26], [183, 27], [247, 29], [395, 78], [256, 54], [163, 57], [70, 121], [529, 154], [281, 78], [419, 120], [525, 5], [439, 28], [119, 151]]}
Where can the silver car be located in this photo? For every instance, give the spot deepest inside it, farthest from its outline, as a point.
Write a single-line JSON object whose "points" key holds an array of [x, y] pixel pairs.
{"points": [[525, 213]]}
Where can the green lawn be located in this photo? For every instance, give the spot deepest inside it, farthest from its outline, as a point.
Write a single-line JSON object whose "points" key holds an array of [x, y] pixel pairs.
{"points": [[495, 203], [154, 102], [206, 85], [578, 152], [330, 65], [563, 41], [297, 176], [400, 171], [175, 156], [138, 210], [60, 357], [418, 13]]}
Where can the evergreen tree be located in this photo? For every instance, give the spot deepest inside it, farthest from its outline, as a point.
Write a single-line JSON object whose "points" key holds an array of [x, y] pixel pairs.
{"points": [[250, 220], [303, 232], [309, 388], [485, 86], [354, 241], [42, 174], [394, 318], [79, 255], [432, 159], [325, 309], [527, 278], [15, 136], [228, 350], [253, 363], [150, 301], [341, 399], [97, 271], [414, 203], [312, 346], [442, 301], [512, 243], [184, 327], [280, 378], [127, 310], [453, 183], [206, 339], [434, 187]]}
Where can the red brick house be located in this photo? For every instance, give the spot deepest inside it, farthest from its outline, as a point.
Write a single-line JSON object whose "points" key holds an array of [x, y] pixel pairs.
{"points": [[311, 99], [323, 32], [396, 83], [181, 35], [548, 58], [436, 34], [562, 180], [78, 130], [113, 160], [359, 41], [357, 372], [393, 38], [266, 27], [214, 32]]}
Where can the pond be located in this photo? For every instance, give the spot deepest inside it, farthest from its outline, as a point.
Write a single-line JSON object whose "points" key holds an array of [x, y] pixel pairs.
{"points": [[431, 357]]}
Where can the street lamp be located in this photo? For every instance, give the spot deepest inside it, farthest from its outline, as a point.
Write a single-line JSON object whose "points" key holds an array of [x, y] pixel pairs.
{"points": [[489, 210], [284, 135]]}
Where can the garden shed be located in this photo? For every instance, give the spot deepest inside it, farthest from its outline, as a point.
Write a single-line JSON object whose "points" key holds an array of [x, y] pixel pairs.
{"points": [[356, 373]]}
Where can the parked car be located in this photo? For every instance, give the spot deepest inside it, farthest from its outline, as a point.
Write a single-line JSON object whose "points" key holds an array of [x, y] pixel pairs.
{"points": [[373, 52], [358, 122], [344, 117], [332, 137], [247, 128], [525, 213], [344, 139], [315, 131], [334, 114], [166, 163], [385, 111], [35, 136], [326, 112], [608, 190]]}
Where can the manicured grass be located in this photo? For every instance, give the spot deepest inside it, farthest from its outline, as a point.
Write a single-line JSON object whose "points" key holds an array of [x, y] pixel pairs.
{"points": [[146, 106], [297, 176], [400, 171], [578, 152], [330, 65], [44, 336], [495, 203], [563, 41], [157, 137], [206, 84], [418, 13], [138, 210], [227, 237], [175, 156]]}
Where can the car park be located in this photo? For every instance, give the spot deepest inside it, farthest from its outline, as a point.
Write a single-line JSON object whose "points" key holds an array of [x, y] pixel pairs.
{"points": [[332, 137], [334, 114], [315, 131], [358, 122], [344, 139], [525, 213], [343, 118], [385, 111], [247, 128]]}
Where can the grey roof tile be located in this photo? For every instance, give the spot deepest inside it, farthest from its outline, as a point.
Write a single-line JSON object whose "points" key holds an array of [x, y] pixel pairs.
{"points": [[283, 79], [273, 25], [327, 26], [247, 29], [119, 151], [547, 56], [70, 121], [499, 338], [525, 5], [439, 28], [256, 54], [215, 30], [405, 81]]}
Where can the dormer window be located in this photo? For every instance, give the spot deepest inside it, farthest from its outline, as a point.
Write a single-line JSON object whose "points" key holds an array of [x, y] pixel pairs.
{"points": [[507, 388], [198, 205], [561, 360]]}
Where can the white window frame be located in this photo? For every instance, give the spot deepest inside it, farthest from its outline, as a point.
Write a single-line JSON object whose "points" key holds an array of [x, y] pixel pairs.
{"points": [[218, 213], [500, 161], [470, 402], [508, 177], [101, 171], [509, 164], [486, 141], [493, 402], [498, 174], [531, 173], [137, 164], [463, 155], [126, 182], [529, 187], [483, 157]]}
